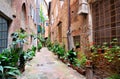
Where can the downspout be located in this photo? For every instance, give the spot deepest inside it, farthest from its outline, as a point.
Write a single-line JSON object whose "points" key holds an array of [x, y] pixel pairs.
{"points": [[69, 25]]}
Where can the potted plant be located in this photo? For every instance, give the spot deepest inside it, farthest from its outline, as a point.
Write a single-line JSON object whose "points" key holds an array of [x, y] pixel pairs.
{"points": [[80, 65], [71, 55]]}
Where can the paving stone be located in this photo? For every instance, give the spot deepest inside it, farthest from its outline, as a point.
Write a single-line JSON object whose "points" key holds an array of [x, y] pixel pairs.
{"points": [[45, 65]]}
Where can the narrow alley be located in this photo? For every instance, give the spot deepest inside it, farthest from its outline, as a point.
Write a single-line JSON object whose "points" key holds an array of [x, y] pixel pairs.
{"points": [[76, 39], [45, 65]]}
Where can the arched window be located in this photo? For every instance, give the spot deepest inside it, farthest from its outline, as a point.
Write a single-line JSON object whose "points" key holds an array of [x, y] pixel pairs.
{"points": [[3, 33], [23, 17]]}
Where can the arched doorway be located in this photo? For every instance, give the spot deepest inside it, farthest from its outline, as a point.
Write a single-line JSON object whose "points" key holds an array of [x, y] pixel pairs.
{"points": [[3, 33]]}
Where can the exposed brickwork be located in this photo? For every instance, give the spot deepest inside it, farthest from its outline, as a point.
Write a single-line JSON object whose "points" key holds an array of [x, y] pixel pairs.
{"points": [[62, 16], [13, 10], [78, 22]]}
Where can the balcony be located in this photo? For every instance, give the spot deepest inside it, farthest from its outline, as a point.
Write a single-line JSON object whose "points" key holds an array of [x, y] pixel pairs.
{"points": [[83, 7]]}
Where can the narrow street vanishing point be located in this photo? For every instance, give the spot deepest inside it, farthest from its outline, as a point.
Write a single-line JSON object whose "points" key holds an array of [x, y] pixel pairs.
{"points": [[59, 39], [45, 65]]}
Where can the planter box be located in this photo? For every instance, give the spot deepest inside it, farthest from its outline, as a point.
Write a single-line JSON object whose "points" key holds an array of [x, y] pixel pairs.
{"points": [[63, 60], [79, 70]]}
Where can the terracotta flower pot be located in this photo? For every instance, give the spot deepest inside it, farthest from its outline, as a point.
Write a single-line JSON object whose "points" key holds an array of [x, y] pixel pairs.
{"points": [[99, 50], [88, 63]]}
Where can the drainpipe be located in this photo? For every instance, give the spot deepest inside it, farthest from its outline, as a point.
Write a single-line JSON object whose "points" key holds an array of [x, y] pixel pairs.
{"points": [[69, 23]]}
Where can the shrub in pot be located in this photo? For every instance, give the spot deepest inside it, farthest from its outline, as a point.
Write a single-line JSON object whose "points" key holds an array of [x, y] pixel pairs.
{"points": [[60, 52], [71, 55], [8, 72]]}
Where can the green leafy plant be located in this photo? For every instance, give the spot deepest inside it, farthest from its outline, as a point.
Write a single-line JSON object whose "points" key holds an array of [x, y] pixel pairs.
{"points": [[29, 55], [80, 63], [109, 60], [48, 42], [55, 47], [8, 71], [19, 37], [114, 76], [9, 57], [71, 55], [39, 46], [41, 39], [33, 48], [12, 59], [60, 51]]}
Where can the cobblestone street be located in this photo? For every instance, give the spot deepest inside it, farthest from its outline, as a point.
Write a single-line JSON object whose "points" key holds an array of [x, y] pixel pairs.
{"points": [[45, 65]]}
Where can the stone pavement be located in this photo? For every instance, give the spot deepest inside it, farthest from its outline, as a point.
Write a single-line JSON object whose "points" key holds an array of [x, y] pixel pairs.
{"points": [[45, 65]]}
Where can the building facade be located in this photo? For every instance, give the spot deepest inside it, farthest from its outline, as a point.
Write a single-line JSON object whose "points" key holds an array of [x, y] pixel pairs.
{"points": [[15, 14], [91, 22], [106, 20], [59, 20]]}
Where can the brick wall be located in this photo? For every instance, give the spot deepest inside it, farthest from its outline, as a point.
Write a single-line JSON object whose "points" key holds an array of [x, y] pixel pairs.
{"points": [[79, 23], [63, 17], [13, 10]]}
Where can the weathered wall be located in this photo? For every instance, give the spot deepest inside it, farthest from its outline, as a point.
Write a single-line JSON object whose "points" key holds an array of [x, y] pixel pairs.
{"points": [[80, 24], [13, 10], [6, 8]]}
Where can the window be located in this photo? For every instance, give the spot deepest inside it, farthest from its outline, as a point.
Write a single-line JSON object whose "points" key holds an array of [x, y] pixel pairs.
{"points": [[77, 41], [47, 23], [106, 21], [52, 19], [56, 10], [30, 10], [23, 17], [3, 33], [34, 16], [61, 2], [60, 31], [32, 13]]}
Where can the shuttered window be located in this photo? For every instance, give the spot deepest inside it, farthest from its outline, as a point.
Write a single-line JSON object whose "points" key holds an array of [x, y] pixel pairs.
{"points": [[106, 21], [3, 33]]}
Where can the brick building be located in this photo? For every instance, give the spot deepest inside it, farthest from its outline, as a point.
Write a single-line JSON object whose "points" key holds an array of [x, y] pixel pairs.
{"points": [[16, 14], [59, 23], [91, 21]]}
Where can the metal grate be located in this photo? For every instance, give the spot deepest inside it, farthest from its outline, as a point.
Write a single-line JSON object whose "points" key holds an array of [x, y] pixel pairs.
{"points": [[106, 21], [3, 33]]}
